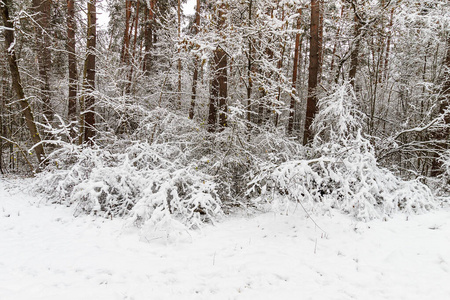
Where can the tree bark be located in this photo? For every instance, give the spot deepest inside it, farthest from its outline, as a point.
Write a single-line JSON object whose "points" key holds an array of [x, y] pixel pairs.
{"points": [[294, 74], [89, 81], [219, 91], [126, 35], [179, 58], [311, 102], [388, 47], [320, 40], [446, 86], [136, 25], [354, 53], [265, 105], [72, 60], [249, 67], [16, 81], [219, 87], [148, 37], [42, 9], [280, 66], [196, 64], [132, 50]]}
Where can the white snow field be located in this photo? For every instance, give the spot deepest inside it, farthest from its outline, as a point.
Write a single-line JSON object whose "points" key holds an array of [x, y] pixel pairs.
{"points": [[47, 253]]}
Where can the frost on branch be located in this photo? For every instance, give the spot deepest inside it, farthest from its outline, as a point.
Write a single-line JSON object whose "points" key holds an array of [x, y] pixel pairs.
{"points": [[343, 172]]}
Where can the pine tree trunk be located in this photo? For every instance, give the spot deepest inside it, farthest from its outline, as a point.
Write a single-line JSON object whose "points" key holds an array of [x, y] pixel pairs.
{"points": [[89, 82], [72, 60], [219, 87], [311, 102], [355, 53], [222, 63], [446, 86], [280, 67], [16, 81], [126, 35], [320, 40], [249, 67], [196, 64], [148, 36], [219, 91], [136, 25], [42, 9], [132, 51], [388, 46], [179, 58], [294, 74], [265, 105]]}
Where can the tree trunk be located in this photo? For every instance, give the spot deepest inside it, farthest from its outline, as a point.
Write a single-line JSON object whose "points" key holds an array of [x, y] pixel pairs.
{"points": [[219, 88], [16, 81], [148, 36], [89, 81], [132, 51], [265, 105], [446, 86], [388, 47], [280, 67], [126, 35], [219, 91], [136, 25], [355, 53], [249, 67], [294, 74], [311, 102], [196, 64], [320, 40], [179, 58], [72, 60], [42, 9]]}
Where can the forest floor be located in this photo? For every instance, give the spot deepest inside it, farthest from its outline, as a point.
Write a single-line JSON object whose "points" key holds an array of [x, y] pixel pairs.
{"points": [[47, 253]]}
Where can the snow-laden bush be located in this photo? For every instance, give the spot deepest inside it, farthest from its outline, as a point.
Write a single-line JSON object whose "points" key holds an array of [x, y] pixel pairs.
{"points": [[231, 156], [133, 179], [350, 181], [168, 170], [342, 172], [185, 194]]}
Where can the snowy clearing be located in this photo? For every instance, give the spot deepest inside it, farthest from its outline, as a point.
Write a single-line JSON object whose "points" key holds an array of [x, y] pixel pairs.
{"points": [[46, 253]]}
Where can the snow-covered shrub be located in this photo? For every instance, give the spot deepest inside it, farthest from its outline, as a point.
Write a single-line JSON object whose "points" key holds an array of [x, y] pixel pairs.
{"points": [[349, 181], [133, 179], [184, 194], [169, 169], [230, 156], [94, 179], [342, 172]]}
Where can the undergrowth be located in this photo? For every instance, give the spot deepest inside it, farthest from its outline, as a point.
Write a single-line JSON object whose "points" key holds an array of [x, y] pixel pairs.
{"points": [[170, 172]]}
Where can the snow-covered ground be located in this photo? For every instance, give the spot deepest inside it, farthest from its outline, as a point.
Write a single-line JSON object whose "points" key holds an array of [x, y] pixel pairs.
{"points": [[46, 253]]}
